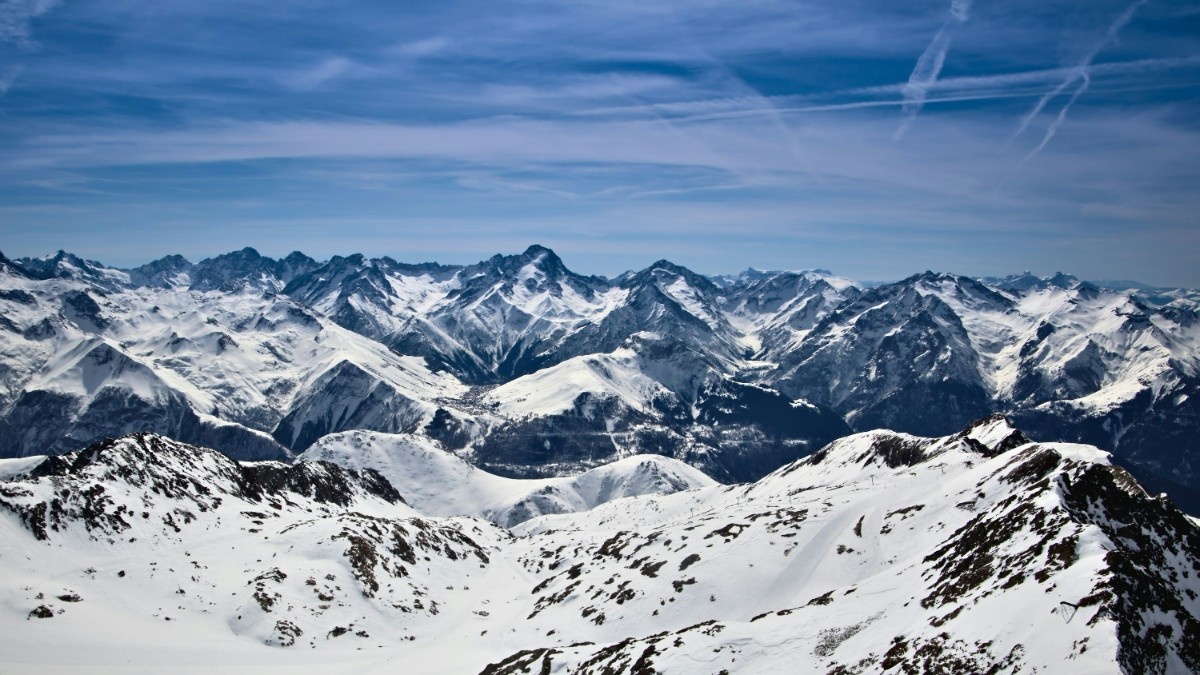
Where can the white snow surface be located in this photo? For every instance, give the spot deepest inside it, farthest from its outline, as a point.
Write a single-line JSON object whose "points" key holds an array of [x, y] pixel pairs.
{"points": [[12, 467], [244, 358], [619, 374], [439, 483], [827, 562]]}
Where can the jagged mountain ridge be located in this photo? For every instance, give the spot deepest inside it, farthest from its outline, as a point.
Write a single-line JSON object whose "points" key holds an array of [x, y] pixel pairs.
{"points": [[1070, 360], [486, 322], [979, 551], [1010, 516], [225, 358], [247, 370]]}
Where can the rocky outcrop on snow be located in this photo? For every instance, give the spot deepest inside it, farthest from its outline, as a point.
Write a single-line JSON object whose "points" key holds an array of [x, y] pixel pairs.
{"points": [[980, 551]]}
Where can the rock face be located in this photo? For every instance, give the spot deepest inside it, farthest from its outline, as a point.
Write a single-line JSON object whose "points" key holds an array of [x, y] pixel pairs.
{"points": [[262, 357], [349, 397], [653, 395], [980, 551], [247, 269], [924, 377]]}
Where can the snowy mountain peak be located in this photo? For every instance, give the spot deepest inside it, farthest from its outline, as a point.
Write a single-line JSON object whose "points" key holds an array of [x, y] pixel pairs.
{"points": [[666, 273], [64, 265], [539, 251], [993, 435], [108, 487], [231, 271], [749, 275], [249, 269], [8, 266], [61, 263], [957, 289], [536, 257], [167, 272], [798, 299], [1027, 281], [882, 452]]}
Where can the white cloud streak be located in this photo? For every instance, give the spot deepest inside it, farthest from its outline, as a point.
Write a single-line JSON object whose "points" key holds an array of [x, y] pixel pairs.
{"points": [[15, 19], [1080, 72], [419, 48], [1125, 75], [1084, 81], [318, 75], [15, 16], [929, 66]]}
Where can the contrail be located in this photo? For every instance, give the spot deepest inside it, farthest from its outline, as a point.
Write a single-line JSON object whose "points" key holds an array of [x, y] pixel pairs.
{"points": [[1081, 72], [1062, 115], [1041, 104], [929, 66], [959, 9]]}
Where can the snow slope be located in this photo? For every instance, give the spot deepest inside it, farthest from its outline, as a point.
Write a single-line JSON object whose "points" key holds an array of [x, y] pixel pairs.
{"points": [[976, 552], [618, 375], [438, 483], [223, 359], [938, 555]]}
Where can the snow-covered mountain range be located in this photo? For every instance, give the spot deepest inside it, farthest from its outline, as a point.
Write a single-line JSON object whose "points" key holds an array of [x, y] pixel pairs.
{"points": [[883, 552], [526, 369]]}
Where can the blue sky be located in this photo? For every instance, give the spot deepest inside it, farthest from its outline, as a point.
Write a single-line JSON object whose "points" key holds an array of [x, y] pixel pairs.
{"points": [[869, 137]]}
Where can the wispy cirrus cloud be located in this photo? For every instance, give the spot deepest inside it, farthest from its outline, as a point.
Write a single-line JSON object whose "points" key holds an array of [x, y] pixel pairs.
{"points": [[313, 77], [1143, 75], [420, 47], [618, 122], [16, 17]]}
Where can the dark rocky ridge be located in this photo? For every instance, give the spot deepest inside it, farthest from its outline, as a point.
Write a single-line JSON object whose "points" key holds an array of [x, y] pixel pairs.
{"points": [[178, 472]]}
